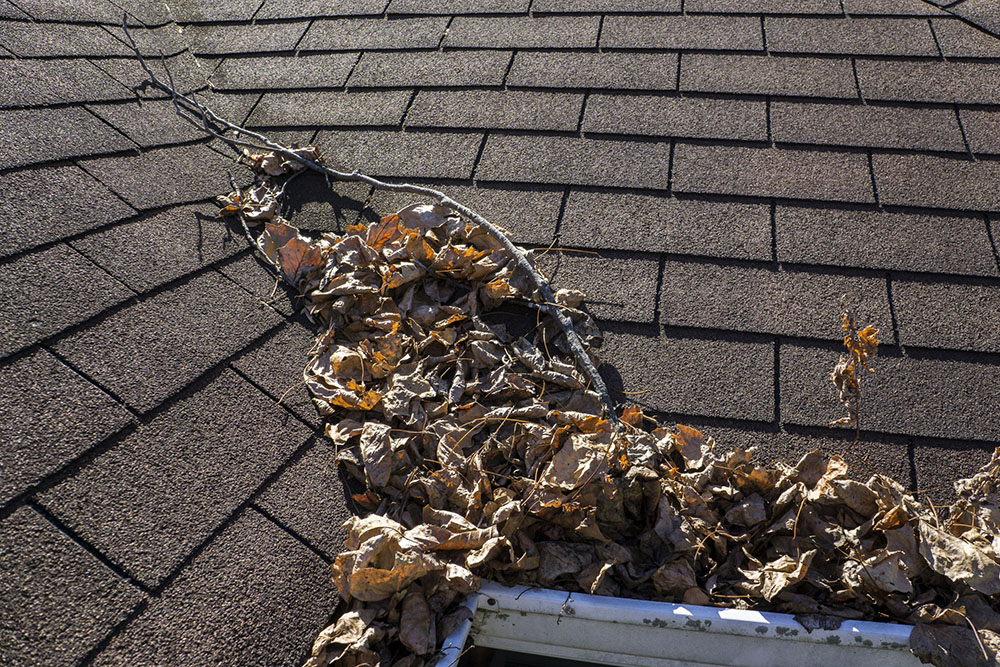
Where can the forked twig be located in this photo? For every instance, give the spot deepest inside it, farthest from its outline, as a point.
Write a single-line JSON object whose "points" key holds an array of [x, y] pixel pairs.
{"points": [[203, 118]]}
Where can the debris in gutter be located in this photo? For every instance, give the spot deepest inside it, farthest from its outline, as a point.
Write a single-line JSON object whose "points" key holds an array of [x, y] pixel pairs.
{"points": [[482, 450]]}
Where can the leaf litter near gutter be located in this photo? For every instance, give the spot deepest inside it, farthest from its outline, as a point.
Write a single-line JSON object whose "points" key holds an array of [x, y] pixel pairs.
{"points": [[481, 453]]}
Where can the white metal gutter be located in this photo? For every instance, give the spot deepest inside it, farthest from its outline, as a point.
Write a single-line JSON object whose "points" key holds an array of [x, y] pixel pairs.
{"points": [[618, 631]]}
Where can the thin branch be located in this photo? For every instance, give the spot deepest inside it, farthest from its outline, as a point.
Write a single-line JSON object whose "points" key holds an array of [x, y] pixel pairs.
{"points": [[189, 108]]}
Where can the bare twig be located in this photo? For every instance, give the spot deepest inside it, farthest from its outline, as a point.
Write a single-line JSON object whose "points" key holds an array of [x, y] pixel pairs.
{"points": [[188, 108]]}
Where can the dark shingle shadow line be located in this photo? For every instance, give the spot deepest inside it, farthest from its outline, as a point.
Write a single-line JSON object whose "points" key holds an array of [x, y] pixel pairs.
{"points": [[246, 506], [993, 241], [292, 533], [892, 312], [118, 570]]}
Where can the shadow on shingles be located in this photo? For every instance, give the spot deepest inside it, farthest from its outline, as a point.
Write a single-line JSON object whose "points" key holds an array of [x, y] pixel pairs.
{"points": [[310, 204]]}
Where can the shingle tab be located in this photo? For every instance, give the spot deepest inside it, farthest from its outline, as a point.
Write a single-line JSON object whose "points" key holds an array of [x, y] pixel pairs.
{"points": [[662, 224], [58, 600], [59, 416], [276, 367], [927, 180], [275, 72], [48, 291], [26, 82], [458, 6], [432, 68], [522, 32], [312, 203], [712, 378], [296, 9], [764, 6], [220, 39], [982, 130], [146, 352], [37, 135], [770, 172], [665, 6], [197, 462], [984, 13], [619, 289], [148, 122], [36, 39], [880, 240], [910, 396], [768, 75], [410, 154], [867, 36], [763, 300], [575, 161], [100, 11], [188, 72], [161, 177], [317, 109], [688, 117], [866, 126], [959, 39], [302, 499], [259, 596], [493, 109], [149, 252], [247, 272], [46, 204], [358, 34], [567, 69], [739, 33], [189, 11], [959, 317], [891, 8], [938, 81]]}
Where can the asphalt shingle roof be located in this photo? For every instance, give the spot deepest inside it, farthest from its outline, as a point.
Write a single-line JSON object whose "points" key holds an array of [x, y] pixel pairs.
{"points": [[729, 168]]}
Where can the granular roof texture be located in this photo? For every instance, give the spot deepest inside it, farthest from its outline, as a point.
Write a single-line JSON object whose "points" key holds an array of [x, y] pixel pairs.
{"points": [[715, 174]]}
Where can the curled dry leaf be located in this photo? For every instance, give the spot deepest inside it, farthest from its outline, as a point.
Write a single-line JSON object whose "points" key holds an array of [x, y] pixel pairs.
{"points": [[459, 415]]}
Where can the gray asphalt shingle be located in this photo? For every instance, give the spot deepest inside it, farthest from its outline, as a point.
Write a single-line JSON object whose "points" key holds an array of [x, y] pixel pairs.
{"points": [[710, 378], [276, 600], [46, 204], [431, 68], [869, 36], [198, 463], [358, 34], [45, 292], [66, 600], [523, 32], [575, 161], [662, 224], [768, 75], [60, 416], [909, 396], [881, 240], [582, 69], [772, 172], [513, 110], [864, 126], [170, 339], [728, 33], [687, 117], [763, 300]]}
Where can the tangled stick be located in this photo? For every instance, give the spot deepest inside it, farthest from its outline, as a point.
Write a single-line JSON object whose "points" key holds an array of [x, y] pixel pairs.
{"points": [[203, 118]]}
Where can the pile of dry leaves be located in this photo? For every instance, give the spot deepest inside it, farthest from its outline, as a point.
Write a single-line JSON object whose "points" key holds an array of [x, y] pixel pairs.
{"points": [[481, 452]]}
